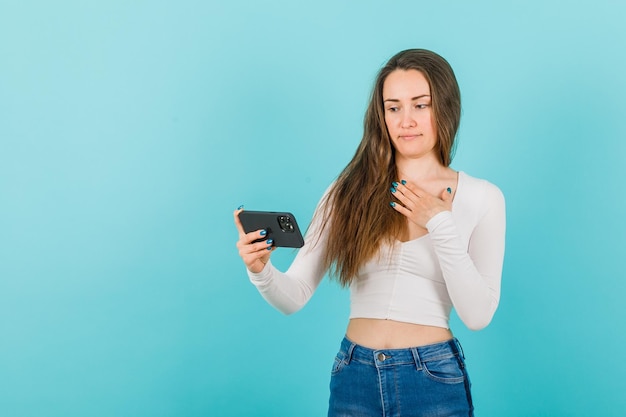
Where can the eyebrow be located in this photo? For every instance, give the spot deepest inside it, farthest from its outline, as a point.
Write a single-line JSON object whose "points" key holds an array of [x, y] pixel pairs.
{"points": [[395, 100]]}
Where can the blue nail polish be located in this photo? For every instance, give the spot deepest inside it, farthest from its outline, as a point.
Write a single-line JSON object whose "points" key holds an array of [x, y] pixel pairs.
{"points": [[269, 247], [395, 184], [392, 189], [392, 204], [449, 190], [263, 232], [240, 207], [270, 242], [403, 182]]}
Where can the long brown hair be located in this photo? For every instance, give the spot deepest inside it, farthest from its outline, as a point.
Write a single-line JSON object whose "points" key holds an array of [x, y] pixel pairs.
{"points": [[356, 209]]}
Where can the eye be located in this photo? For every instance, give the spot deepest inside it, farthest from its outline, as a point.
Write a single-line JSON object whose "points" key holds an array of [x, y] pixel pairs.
{"points": [[392, 109], [422, 106]]}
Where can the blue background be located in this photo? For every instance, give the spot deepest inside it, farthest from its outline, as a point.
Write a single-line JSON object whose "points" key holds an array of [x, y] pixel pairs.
{"points": [[130, 131]]}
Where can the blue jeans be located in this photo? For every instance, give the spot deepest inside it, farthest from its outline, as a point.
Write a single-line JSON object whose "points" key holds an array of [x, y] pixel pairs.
{"points": [[426, 381]]}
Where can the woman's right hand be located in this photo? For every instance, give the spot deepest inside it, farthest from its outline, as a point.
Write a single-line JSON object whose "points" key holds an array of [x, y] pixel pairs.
{"points": [[254, 255]]}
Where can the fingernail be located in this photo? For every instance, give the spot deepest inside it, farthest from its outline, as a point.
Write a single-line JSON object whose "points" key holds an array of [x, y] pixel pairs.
{"points": [[263, 232], [395, 184], [240, 207], [392, 204], [270, 241], [392, 189], [449, 190], [403, 182], [269, 247]]}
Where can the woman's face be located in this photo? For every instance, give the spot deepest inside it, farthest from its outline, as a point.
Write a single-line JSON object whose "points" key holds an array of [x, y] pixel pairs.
{"points": [[408, 114]]}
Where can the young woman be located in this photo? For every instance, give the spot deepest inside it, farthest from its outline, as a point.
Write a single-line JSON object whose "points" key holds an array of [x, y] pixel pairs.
{"points": [[412, 238]]}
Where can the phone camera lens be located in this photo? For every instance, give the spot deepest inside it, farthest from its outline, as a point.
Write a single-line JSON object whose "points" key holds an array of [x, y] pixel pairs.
{"points": [[285, 223]]}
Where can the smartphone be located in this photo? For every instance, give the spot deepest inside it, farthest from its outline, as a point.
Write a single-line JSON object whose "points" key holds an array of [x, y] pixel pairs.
{"points": [[281, 227]]}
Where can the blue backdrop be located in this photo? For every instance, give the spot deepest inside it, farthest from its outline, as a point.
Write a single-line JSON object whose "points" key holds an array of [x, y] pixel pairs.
{"points": [[130, 131]]}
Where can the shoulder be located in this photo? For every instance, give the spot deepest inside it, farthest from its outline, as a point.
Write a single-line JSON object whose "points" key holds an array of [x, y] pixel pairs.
{"points": [[479, 186], [480, 193]]}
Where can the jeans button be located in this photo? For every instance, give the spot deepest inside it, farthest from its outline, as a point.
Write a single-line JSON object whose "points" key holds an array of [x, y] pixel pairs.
{"points": [[381, 357]]}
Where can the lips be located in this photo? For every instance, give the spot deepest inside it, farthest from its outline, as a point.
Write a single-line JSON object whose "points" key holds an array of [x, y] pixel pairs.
{"points": [[409, 137]]}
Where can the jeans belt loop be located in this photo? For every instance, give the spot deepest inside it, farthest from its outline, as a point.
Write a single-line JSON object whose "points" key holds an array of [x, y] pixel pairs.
{"points": [[459, 347], [416, 358], [349, 353]]}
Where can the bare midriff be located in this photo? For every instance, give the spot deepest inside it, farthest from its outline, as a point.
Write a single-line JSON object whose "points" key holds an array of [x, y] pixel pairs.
{"points": [[389, 334]]}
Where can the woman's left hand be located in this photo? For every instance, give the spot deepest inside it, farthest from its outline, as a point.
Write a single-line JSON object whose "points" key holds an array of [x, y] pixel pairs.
{"points": [[418, 205]]}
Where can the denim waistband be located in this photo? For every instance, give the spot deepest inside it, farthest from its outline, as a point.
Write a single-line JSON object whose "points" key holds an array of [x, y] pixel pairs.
{"points": [[390, 357]]}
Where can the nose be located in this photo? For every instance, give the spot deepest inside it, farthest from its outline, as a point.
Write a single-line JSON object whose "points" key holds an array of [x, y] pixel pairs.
{"points": [[407, 120]]}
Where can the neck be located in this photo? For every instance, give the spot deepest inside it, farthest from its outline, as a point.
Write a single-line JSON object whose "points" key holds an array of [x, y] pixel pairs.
{"points": [[420, 169]]}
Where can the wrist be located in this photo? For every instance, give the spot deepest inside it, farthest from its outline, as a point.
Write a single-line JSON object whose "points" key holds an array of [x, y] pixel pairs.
{"points": [[257, 267], [437, 219]]}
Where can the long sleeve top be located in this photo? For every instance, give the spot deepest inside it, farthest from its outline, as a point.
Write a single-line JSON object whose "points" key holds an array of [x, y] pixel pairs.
{"points": [[457, 264]]}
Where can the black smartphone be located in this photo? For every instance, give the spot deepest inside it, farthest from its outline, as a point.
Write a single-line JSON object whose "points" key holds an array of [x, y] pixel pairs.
{"points": [[281, 227]]}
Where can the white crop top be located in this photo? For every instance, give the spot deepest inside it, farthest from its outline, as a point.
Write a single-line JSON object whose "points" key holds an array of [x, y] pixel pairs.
{"points": [[458, 263]]}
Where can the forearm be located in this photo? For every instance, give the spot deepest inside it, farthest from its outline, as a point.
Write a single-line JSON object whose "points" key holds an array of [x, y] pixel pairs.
{"points": [[283, 292], [474, 292], [289, 291]]}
